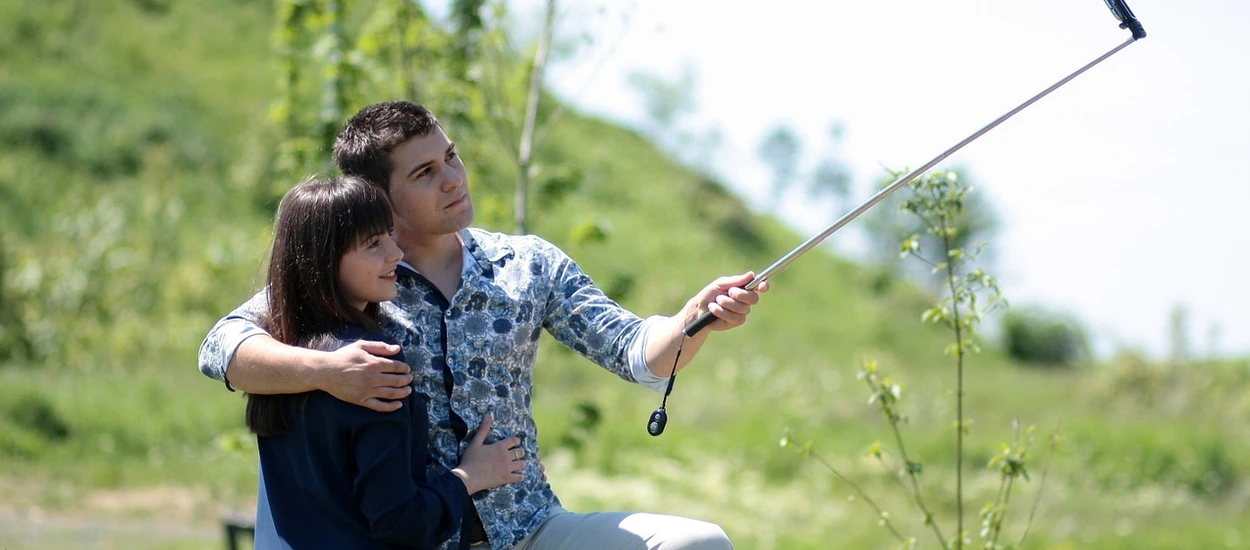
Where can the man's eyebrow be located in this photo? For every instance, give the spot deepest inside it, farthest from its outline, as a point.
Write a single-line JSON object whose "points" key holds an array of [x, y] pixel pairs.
{"points": [[419, 167]]}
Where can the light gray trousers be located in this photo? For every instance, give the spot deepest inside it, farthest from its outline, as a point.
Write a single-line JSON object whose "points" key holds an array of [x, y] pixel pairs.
{"points": [[564, 530]]}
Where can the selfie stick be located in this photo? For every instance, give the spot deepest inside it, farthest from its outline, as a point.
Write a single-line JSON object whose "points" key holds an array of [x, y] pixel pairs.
{"points": [[655, 424]]}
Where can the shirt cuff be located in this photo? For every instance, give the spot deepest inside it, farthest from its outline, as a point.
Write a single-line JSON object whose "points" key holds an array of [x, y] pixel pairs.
{"points": [[230, 345], [638, 356]]}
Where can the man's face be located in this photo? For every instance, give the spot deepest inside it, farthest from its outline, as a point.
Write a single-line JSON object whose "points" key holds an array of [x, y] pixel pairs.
{"points": [[429, 187]]}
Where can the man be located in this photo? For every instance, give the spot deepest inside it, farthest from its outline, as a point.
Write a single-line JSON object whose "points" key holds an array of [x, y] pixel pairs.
{"points": [[470, 309]]}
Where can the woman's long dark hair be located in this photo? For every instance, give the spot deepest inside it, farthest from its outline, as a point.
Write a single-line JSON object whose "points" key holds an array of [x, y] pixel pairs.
{"points": [[318, 222]]}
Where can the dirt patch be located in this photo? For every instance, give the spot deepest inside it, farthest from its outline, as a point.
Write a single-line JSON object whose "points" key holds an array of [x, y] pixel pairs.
{"points": [[169, 502], [19, 497], [55, 515]]}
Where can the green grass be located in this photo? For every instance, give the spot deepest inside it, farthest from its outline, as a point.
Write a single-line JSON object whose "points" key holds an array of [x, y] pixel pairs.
{"points": [[1124, 476]]}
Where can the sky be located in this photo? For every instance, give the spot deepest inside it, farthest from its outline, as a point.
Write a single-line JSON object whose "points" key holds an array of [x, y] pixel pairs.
{"points": [[1121, 194]]}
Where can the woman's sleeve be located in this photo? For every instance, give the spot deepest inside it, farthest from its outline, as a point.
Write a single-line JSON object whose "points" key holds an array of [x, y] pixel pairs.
{"points": [[400, 506]]}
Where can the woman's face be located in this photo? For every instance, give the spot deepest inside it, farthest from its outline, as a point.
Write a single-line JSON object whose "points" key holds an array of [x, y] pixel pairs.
{"points": [[367, 271]]}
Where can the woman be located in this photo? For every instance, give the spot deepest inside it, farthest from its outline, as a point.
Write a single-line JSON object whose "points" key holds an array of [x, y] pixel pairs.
{"points": [[333, 474]]}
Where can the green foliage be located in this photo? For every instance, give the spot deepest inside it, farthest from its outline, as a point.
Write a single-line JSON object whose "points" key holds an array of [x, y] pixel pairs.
{"points": [[31, 424], [780, 150], [1038, 337], [974, 224], [968, 294], [556, 184], [665, 101], [713, 205], [971, 293]]}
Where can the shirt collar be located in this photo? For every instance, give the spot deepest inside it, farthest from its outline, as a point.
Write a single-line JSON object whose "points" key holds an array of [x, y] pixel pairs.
{"points": [[474, 254]]}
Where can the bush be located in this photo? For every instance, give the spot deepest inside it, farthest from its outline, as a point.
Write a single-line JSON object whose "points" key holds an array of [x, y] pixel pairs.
{"points": [[1043, 338]]}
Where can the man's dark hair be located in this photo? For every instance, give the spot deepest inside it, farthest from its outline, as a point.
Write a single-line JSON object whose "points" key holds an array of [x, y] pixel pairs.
{"points": [[363, 148]]}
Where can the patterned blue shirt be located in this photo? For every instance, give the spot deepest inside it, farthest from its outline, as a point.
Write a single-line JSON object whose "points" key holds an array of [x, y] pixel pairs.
{"points": [[475, 355]]}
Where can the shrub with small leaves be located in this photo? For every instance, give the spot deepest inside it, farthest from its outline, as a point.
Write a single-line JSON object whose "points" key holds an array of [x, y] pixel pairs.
{"points": [[968, 295]]}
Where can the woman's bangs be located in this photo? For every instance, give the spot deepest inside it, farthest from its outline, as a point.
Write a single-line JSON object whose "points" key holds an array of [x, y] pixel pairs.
{"points": [[370, 214]]}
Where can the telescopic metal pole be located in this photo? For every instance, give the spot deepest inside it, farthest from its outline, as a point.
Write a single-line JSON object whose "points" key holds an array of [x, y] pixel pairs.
{"points": [[704, 320], [659, 418]]}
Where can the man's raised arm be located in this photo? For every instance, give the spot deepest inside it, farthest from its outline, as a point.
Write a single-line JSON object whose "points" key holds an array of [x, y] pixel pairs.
{"points": [[241, 354], [724, 297]]}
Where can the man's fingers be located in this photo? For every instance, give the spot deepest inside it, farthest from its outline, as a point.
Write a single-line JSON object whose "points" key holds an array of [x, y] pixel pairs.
{"points": [[392, 366], [748, 297], [737, 280], [733, 306], [729, 316], [729, 309], [393, 381], [382, 350], [376, 347], [732, 288], [392, 392], [731, 303], [382, 405]]}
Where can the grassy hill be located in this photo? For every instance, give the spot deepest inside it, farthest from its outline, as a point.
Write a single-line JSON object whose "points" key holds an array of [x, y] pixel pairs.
{"points": [[137, 184]]}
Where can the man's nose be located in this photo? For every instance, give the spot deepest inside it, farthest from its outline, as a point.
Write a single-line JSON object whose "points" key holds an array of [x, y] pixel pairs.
{"points": [[452, 179]]}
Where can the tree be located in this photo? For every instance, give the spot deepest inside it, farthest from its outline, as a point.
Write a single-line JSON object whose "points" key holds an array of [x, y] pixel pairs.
{"points": [[780, 150], [502, 95], [665, 102], [1043, 338], [14, 342], [832, 177], [1178, 334]]}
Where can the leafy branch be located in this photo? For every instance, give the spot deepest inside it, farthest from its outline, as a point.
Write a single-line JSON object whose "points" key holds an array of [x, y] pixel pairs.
{"points": [[968, 294], [886, 394], [937, 201], [883, 517]]}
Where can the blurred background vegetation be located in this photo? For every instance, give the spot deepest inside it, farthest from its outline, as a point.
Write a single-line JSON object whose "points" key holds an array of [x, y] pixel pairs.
{"points": [[144, 145]]}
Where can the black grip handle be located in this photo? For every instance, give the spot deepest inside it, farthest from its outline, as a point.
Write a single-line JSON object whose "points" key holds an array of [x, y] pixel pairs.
{"points": [[1127, 19], [699, 324]]}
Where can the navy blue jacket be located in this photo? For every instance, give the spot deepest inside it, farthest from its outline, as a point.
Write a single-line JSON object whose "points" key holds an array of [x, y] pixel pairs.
{"points": [[344, 476]]}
